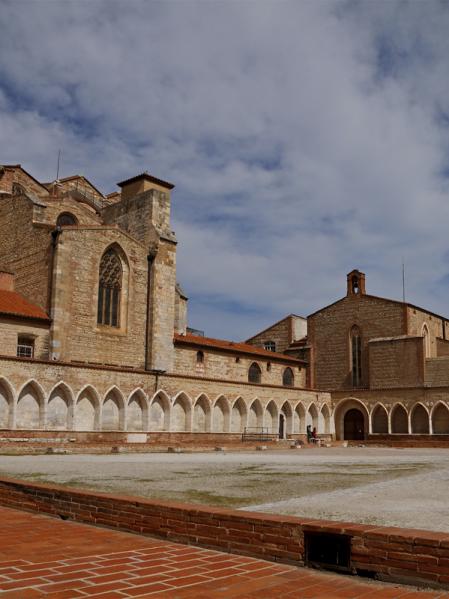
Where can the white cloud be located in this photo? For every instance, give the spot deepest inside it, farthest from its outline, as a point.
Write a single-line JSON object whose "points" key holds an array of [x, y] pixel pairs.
{"points": [[305, 138]]}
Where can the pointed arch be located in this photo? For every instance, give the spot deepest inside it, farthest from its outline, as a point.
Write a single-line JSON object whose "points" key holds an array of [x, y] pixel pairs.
{"points": [[113, 272], [286, 413], [60, 407], [137, 411], [324, 425], [440, 419], [181, 413], [288, 378], [113, 412], [379, 419], [425, 334], [221, 415], [399, 419], [255, 414], [299, 419], [30, 411], [202, 414], [160, 410], [239, 414], [7, 395], [271, 417], [419, 420], [312, 416], [351, 419], [86, 415]]}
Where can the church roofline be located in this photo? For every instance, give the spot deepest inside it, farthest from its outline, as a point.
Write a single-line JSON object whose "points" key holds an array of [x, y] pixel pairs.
{"points": [[274, 325]]}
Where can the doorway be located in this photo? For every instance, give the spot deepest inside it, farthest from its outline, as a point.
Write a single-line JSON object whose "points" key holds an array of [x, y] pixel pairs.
{"points": [[281, 426], [354, 425]]}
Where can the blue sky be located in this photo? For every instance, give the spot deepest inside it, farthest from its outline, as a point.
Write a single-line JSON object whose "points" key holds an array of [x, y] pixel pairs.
{"points": [[305, 138]]}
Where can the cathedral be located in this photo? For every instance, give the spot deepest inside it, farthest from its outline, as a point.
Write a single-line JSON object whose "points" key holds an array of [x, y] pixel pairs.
{"points": [[94, 342]]}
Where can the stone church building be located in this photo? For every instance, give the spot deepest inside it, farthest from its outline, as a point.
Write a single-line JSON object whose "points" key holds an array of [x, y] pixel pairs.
{"points": [[94, 338]]}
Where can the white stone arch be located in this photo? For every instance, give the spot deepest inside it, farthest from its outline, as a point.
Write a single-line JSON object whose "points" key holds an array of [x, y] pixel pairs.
{"points": [[60, 408], [181, 413], [271, 417], [379, 419], [255, 414], [137, 411], [399, 419], [86, 416], [7, 404], [312, 416], [299, 418], [342, 408], [239, 416], [419, 423], [30, 408], [324, 420], [113, 410], [440, 419], [286, 412], [221, 415], [160, 410], [202, 414]]}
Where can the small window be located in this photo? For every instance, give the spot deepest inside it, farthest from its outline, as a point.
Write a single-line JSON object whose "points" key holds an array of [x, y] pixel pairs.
{"points": [[254, 373], [25, 347], [288, 378], [200, 357], [237, 360], [66, 219], [270, 345], [269, 366]]}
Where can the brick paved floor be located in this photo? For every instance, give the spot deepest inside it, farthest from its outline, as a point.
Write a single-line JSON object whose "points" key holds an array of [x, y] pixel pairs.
{"points": [[45, 557]]}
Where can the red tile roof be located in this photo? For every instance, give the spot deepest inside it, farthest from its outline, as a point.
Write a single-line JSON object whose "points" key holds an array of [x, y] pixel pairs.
{"points": [[14, 304], [244, 348]]}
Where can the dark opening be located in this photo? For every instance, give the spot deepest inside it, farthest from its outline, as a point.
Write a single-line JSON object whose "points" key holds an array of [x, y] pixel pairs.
{"points": [[327, 551], [281, 426], [354, 425]]}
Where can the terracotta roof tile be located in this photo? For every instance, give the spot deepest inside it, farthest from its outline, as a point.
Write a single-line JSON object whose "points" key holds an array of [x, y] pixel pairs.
{"points": [[15, 304], [232, 346]]}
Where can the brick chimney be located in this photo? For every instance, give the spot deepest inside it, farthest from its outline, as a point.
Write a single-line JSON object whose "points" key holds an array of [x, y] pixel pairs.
{"points": [[356, 283], [6, 281]]}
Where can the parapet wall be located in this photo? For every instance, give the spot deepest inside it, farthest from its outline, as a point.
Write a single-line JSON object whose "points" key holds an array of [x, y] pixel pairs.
{"points": [[411, 556]]}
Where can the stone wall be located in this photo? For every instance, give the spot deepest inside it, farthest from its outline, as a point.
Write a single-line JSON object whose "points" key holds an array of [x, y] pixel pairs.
{"points": [[396, 362], [281, 333], [11, 328], [416, 319]]}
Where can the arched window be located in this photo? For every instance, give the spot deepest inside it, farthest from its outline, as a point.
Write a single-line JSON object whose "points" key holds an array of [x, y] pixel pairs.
{"points": [[270, 345], [66, 219], [200, 357], [254, 373], [425, 334], [356, 356], [109, 289], [288, 378]]}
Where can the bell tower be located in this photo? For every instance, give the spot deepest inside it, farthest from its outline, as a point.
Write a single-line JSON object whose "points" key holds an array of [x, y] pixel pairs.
{"points": [[355, 283]]}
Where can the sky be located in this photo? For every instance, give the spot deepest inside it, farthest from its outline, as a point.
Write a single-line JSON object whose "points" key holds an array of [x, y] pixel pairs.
{"points": [[305, 138]]}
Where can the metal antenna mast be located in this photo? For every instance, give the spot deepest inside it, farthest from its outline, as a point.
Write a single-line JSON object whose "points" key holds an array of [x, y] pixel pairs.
{"points": [[403, 280], [57, 169]]}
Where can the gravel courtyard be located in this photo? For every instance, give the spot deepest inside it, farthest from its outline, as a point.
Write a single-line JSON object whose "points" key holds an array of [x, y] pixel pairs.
{"points": [[397, 487]]}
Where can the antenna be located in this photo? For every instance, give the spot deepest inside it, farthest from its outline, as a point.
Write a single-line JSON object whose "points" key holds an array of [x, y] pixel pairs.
{"points": [[57, 169], [403, 280]]}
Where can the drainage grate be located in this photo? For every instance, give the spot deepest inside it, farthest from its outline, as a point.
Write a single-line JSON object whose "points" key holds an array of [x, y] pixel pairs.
{"points": [[327, 551]]}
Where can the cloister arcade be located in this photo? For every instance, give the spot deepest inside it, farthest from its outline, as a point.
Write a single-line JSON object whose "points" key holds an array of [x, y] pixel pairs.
{"points": [[355, 419], [32, 408]]}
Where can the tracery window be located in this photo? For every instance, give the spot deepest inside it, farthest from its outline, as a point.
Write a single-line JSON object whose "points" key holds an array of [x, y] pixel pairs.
{"points": [[288, 378], [109, 289], [254, 373], [356, 353]]}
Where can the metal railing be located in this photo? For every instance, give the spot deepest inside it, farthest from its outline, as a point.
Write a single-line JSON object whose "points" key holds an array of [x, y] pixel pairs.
{"points": [[258, 433]]}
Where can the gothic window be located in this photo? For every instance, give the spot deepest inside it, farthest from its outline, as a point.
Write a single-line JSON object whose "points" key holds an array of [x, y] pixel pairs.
{"points": [[65, 219], [425, 334], [270, 345], [254, 373], [109, 289], [356, 356], [288, 378]]}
